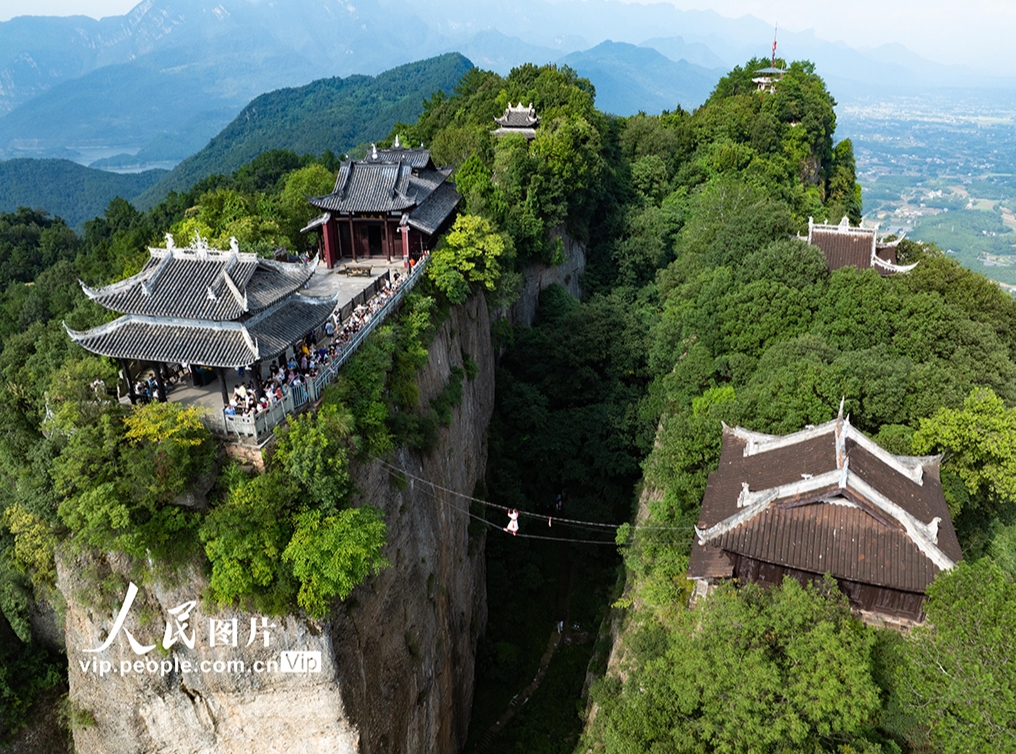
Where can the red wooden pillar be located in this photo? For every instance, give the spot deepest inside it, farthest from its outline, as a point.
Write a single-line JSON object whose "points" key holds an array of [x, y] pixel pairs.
{"points": [[352, 239], [330, 234], [405, 246]]}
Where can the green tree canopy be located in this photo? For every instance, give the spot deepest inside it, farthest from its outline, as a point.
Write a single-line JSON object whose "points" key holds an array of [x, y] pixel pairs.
{"points": [[749, 669], [470, 253], [959, 673]]}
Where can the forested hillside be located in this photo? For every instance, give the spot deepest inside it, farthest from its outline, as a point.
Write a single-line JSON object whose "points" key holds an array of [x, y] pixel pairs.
{"points": [[746, 325], [699, 306], [329, 114], [66, 189]]}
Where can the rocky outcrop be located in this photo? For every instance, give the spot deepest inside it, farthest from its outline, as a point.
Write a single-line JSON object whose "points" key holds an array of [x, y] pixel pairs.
{"points": [[539, 276], [390, 670]]}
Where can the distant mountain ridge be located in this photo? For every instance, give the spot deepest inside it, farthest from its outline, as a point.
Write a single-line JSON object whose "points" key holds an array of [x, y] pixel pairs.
{"points": [[160, 78], [629, 79], [128, 81], [336, 114]]}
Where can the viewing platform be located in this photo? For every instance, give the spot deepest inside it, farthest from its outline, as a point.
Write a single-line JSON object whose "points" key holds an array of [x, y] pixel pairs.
{"points": [[257, 428], [248, 341]]}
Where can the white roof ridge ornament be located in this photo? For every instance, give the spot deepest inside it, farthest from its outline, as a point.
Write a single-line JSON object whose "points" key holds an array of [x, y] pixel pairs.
{"points": [[148, 285], [925, 536], [250, 342], [756, 443], [241, 298], [893, 267]]}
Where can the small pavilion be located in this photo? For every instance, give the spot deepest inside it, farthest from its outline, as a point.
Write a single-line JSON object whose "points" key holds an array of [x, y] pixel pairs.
{"points": [[844, 246], [518, 119], [199, 306], [393, 192], [766, 79]]}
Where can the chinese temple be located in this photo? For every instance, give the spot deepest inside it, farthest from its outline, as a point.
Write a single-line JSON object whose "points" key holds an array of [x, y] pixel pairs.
{"points": [[843, 246], [826, 500], [204, 307], [394, 203], [518, 119]]}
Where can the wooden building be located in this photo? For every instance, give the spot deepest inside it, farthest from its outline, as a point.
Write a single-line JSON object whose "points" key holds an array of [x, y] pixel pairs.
{"points": [[844, 246], [518, 119], [204, 307], [394, 203], [826, 500]]}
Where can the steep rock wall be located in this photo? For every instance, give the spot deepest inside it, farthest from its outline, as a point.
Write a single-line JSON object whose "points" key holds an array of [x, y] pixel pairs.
{"points": [[396, 658], [537, 277]]}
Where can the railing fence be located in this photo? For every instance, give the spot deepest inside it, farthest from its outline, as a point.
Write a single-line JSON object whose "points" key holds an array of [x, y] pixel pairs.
{"points": [[252, 429]]}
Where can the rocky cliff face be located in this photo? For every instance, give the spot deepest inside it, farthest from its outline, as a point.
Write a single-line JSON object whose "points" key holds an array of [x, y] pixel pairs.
{"points": [[539, 276], [390, 670]]}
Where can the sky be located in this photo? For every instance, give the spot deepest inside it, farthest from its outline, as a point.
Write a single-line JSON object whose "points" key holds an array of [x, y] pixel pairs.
{"points": [[94, 8], [975, 32]]}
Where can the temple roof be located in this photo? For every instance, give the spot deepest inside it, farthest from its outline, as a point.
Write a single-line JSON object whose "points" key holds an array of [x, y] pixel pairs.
{"points": [[213, 344], [518, 116], [201, 283], [825, 500], [435, 209], [368, 187], [843, 246], [416, 158]]}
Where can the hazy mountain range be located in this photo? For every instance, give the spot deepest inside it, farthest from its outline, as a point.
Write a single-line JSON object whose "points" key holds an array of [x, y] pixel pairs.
{"points": [[160, 81]]}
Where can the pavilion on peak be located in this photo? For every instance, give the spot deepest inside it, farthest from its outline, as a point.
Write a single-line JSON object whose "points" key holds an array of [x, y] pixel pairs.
{"points": [[518, 119]]}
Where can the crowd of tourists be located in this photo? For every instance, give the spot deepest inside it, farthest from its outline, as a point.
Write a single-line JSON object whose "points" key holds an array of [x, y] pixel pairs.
{"points": [[310, 356]]}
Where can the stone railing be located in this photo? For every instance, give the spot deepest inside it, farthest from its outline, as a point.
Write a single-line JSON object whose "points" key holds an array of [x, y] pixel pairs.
{"points": [[254, 429]]}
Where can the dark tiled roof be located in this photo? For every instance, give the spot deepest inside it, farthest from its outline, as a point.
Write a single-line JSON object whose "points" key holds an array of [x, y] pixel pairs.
{"points": [[380, 188], [214, 344], [287, 322], [418, 158], [272, 281], [886, 253], [210, 285], [435, 209], [183, 341], [369, 187], [844, 246], [875, 533]]}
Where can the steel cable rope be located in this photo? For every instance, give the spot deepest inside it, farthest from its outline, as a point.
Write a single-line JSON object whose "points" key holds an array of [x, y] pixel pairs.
{"points": [[487, 503], [495, 525]]}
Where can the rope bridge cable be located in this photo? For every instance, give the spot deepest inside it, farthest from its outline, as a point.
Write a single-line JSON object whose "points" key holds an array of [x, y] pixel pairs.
{"points": [[530, 514], [495, 525]]}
